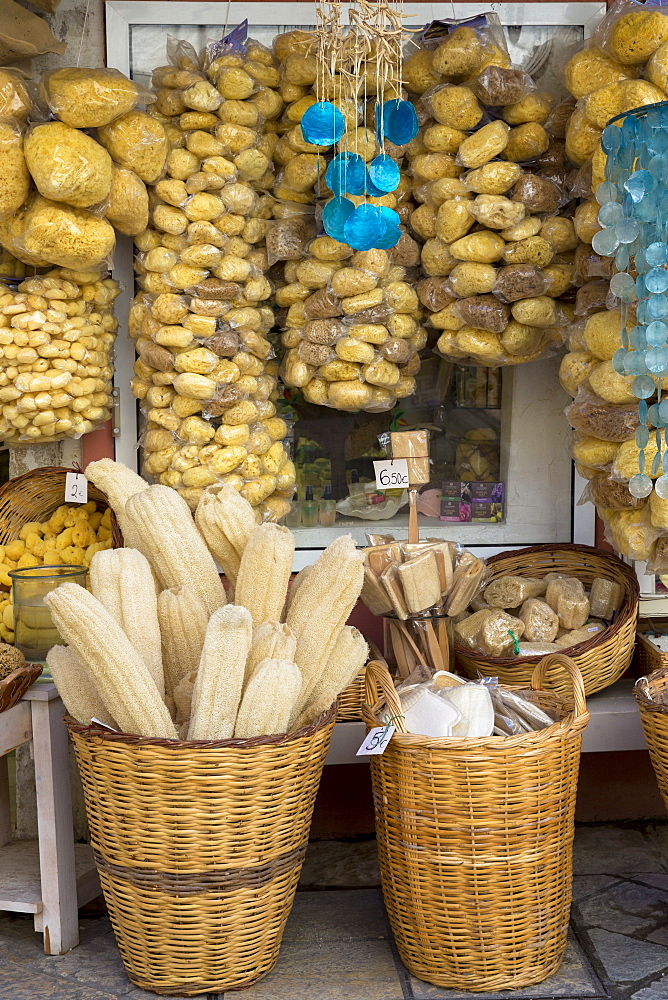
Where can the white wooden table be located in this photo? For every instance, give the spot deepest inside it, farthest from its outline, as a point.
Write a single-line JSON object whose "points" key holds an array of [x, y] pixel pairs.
{"points": [[52, 877]]}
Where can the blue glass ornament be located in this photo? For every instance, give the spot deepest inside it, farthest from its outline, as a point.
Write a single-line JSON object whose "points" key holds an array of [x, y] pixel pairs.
{"points": [[364, 227], [334, 216], [622, 258], [657, 306], [322, 124], [392, 231], [627, 230], [661, 484], [611, 138], [657, 334], [618, 360], [346, 174], [640, 184], [643, 387], [398, 122], [640, 485], [384, 173], [656, 280], [657, 253], [610, 213], [653, 418], [658, 167], [622, 285], [605, 241], [607, 192]]}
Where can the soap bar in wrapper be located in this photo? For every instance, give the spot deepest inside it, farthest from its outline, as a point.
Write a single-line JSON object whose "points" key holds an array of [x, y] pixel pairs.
{"points": [[414, 447], [567, 597], [467, 631], [467, 580], [605, 598], [541, 623], [511, 591], [421, 583]]}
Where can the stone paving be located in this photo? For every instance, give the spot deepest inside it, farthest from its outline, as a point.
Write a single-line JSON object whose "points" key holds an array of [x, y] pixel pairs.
{"points": [[338, 945]]}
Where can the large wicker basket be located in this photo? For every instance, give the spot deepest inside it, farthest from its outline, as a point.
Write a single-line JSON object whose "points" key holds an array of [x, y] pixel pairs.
{"points": [[199, 847], [35, 495], [648, 657], [475, 842], [601, 660], [649, 693]]}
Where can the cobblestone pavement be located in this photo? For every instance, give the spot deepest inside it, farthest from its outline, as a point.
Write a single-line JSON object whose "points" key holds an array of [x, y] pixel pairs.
{"points": [[338, 945]]}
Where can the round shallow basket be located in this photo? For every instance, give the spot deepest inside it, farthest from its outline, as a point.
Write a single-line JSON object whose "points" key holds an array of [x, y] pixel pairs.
{"points": [[35, 495], [199, 847], [475, 842], [651, 695], [15, 685], [602, 659]]}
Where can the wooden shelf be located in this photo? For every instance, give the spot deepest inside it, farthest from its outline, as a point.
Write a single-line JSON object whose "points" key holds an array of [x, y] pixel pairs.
{"points": [[20, 885]]}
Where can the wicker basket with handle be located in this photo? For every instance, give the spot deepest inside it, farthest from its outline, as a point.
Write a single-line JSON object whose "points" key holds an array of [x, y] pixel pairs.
{"points": [[475, 841], [199, 847], [649, 694], [649, 657], [350, 701], [602, 659], [35, 495]]}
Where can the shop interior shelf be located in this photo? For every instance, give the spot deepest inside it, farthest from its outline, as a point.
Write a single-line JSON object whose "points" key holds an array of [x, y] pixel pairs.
{"points": [[614, 725]]}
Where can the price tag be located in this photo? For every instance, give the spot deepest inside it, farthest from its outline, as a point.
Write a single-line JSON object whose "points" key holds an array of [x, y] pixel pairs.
{"points": [[391, 474], [375, 741], [76, 488]]}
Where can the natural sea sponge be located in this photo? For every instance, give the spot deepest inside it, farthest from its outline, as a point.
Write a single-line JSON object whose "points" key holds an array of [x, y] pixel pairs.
{"points": [[15, 101], [89, 98], [637, 35], [615, 98], [138, 142], [127, 208], [67, 165], [602, 334], [626, 462], [68, 237], [455, 106], [592, 68], [582, 138], [610, 385], [14, 177], [575, 368]]}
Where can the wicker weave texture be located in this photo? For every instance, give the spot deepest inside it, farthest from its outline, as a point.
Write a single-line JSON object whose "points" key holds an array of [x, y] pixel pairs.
{"points": [[15, 685], [199, 848], [601, 661], [475, 843], [648, 657], [350, 701], [654, 718], [35, 495]]}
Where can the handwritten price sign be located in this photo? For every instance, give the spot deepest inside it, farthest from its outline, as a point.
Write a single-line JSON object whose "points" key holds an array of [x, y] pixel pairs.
{"points": [[376, 741], [391, 474]]}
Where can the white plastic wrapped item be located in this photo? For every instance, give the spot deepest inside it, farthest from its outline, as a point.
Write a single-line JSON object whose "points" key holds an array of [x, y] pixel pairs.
{"points": [[90, 98], [56, 342]]}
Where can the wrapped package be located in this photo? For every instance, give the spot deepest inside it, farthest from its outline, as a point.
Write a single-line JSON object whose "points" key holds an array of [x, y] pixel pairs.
{"points": [[499, 634], [595, 417], [568, 599], [577, 635], [68, 165], [57, 347], [15, 179], [90, 98], [511, 591], [206, 374], [605, 598], [68, 237], [541, 623]]}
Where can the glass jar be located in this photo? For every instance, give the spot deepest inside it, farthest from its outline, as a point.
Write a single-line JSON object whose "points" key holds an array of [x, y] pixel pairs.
{"points": [[34, 631]]}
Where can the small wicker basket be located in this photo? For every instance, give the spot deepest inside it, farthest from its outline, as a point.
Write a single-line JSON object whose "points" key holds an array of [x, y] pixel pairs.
{"points": [[601, 660], [350, 702], [15, 685], [475, 841], [199, 847], [35, 495], [648, 657]]}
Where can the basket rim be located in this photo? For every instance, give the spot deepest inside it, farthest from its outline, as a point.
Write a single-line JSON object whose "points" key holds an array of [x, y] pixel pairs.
{"points": [[570, 723], [97, 732], [23, 671], [627, 610]]}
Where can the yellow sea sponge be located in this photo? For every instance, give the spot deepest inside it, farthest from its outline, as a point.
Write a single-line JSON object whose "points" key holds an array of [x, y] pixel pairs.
{"points": [[602, 334], [67, 165], [526, 142], [14, 177], [137, 141], [594, 452], [632, 533], [575, 368], [419, 74], [610, 385], [656, 69], [582, 138], [626, 460], [482, 248], [457, 107], [68, 237], [615, 98], [484, 145], [493, 178], [592, 68], [459, 54], [89, 98], [534, 107], [586, 221], [15, 100], [637, 35]]}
